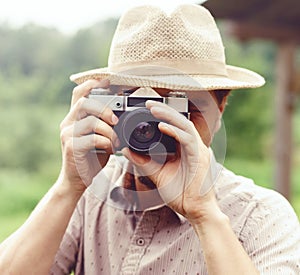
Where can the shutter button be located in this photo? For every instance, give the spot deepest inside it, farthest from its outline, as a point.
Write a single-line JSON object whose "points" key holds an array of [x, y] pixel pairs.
{"points": [[140, 242]]}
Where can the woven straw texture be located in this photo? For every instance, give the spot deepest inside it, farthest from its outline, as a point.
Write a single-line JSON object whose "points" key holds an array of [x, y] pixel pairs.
{"points": [[182, 50]]}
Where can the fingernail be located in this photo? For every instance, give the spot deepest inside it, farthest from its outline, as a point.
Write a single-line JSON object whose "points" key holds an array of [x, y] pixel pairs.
{"points": [[150, 103], [114, 119], [163, 125]]}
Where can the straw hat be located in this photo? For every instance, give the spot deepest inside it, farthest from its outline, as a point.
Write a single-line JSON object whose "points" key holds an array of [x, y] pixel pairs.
{"points": [[182, 50]]}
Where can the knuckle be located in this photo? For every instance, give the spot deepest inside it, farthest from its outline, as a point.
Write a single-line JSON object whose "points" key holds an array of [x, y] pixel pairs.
{"points": [[102, 110], [97, 125], [93, 123], [93, 83], [82, 102], [65, 122], [79, 107], [68, 148], [80, 91], [64, 136], [76, 90], [101, 142], [89, 83], [87, 122], [94, 139]]}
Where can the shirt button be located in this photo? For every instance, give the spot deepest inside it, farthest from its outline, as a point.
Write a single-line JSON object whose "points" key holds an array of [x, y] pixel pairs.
{"points": [[140, 242]]}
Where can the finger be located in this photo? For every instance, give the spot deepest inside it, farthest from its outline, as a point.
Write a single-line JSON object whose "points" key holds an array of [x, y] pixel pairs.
{"points": [[169, 187], [190, 143], [86, 107], [85, 144], [84, 89], [170, 115], [90, 125], [144, 164], [102, 141], [174, 132]]}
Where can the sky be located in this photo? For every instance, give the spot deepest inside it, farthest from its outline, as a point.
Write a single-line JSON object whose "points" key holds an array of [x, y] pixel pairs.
{"points": [[71, 15]]}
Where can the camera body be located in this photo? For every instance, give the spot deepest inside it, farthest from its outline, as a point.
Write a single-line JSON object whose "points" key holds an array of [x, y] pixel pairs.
{"points": [[137, 128]]}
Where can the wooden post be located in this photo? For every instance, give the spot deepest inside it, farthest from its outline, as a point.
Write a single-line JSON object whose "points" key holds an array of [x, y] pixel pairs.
{"points": [[284, 110]]}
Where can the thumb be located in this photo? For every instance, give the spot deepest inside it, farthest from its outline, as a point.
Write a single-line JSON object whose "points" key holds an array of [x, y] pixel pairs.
{"points": [[145, 164]]}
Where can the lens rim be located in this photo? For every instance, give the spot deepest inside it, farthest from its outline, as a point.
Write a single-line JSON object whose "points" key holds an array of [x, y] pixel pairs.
{"points": [[132, 120]]}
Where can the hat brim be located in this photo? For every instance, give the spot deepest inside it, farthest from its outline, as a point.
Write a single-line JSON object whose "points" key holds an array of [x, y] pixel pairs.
{"points": [[237, 78]]}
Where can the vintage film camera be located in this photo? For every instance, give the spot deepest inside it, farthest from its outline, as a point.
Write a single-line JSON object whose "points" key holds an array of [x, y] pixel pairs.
{"points": [[137, 129]]}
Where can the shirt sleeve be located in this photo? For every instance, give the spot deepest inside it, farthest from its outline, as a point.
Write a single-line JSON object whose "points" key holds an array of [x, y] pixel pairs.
{"points": [[271, 236], [68, 256]]}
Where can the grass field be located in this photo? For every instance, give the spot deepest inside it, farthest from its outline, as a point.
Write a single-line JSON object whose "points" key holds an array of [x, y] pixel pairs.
{"points": [[20, 191]]}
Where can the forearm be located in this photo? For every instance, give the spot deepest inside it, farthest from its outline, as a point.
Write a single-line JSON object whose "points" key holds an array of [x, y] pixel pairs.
{"points": [[223, 252], [31, 249]]}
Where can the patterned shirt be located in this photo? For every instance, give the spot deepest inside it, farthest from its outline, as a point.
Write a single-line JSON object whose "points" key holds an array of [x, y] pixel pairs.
{"points": [[106, 235]]}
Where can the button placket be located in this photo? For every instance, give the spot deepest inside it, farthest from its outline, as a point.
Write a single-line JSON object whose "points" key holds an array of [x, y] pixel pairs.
{"points": [[141, 239]]}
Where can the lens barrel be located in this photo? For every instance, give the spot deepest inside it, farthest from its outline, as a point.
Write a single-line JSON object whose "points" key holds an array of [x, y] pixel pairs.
{"points": [[140, 130]]}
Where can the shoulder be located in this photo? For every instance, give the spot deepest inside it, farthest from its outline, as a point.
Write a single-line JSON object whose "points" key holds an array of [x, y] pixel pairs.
{"points": [[264, 221], [246, 203]]}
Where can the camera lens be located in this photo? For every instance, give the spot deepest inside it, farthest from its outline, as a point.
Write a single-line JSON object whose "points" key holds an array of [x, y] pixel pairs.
{"points": [[144, 131], [139, 130]]}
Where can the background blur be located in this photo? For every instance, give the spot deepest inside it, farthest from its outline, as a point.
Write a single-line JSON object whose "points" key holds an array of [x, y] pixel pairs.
{"points": [[36, 60]]}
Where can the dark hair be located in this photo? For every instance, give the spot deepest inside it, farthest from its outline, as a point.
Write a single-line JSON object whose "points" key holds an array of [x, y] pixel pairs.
{"points": [[220, 94]]}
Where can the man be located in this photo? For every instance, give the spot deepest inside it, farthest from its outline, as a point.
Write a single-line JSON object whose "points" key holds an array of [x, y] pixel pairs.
{"points": [[175, 213]]}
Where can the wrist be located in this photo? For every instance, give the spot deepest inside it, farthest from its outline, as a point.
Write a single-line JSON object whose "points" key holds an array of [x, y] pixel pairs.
{"points": [[208, 216], [211, 223], [63, 188]]}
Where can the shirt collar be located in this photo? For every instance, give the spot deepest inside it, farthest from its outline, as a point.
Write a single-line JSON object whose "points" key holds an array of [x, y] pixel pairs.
{"points": [[119, 196], [127, 198]]}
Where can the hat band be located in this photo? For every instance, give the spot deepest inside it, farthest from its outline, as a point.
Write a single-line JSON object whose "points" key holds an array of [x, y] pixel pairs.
{"points": [[171, 67]]}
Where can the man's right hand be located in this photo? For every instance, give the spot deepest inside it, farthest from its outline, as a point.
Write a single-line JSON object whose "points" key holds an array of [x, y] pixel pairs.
{"points": [[87, 126]]}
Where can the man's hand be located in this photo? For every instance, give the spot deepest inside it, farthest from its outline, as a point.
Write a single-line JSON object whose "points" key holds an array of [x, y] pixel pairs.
{"points": [[180, 178], [87, 126]]}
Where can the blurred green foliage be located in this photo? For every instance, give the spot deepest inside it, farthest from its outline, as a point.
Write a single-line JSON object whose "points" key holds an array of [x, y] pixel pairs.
{"points": [[249, 114], [35, 64]]}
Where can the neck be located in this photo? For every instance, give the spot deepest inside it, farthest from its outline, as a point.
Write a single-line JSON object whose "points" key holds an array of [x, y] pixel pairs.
{"points": [[147, 194]]}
